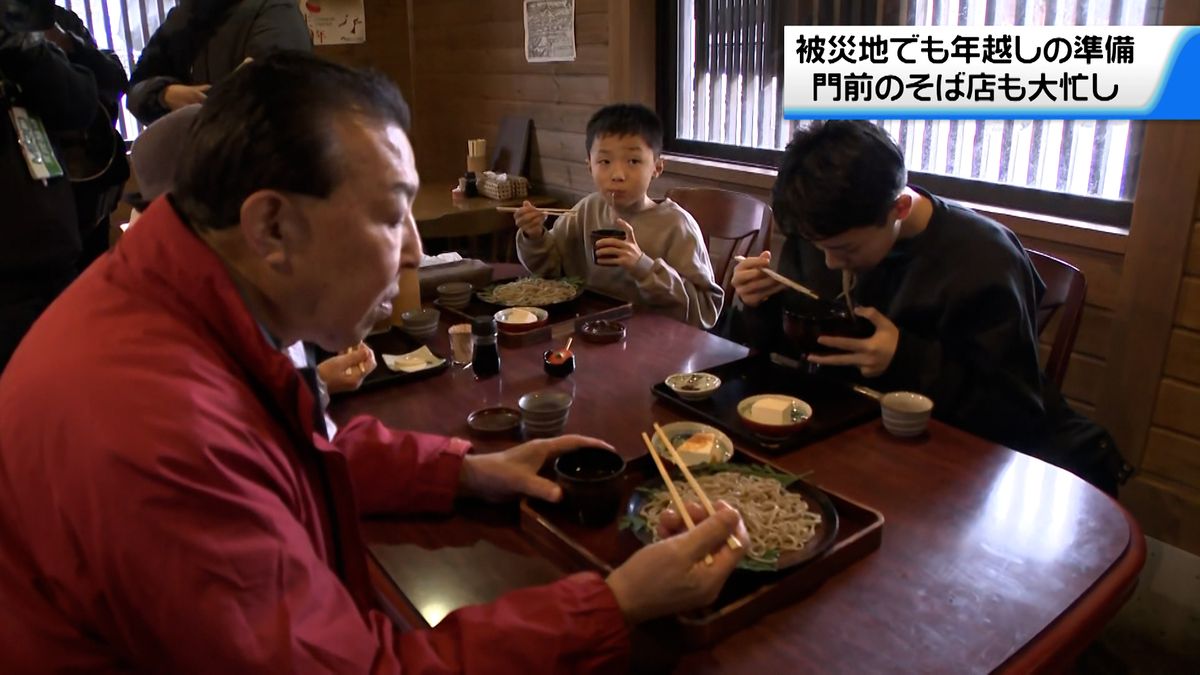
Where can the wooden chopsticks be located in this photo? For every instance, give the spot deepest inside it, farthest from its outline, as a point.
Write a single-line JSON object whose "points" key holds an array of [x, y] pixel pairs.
{"points": [[549, 212], [362, 366], [794, 285], [734, 544], [675, 498], [732, 541]]}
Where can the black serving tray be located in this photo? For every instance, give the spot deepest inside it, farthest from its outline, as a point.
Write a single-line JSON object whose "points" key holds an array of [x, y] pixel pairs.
{"points": [[836, 406]]}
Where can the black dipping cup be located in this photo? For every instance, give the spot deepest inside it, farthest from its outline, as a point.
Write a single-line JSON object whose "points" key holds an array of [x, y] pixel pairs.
{"points": [[591, 483], [804, 327], [597, 235]]}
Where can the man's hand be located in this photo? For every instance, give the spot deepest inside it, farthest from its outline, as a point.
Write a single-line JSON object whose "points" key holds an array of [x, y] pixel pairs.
{"points": [[499, 476], [751, 284], [530, 220], [617, 252], [177, 96], [872, 355], [671, 576], [345, 372]]}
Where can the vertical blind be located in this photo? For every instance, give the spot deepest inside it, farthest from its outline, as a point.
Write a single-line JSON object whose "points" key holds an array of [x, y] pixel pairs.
{"points": [[731, 72], [124, 26]]}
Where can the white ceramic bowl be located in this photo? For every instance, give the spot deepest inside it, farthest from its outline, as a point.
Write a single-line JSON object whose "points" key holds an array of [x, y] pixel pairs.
{"points": [[504, 324], [905, 413]]}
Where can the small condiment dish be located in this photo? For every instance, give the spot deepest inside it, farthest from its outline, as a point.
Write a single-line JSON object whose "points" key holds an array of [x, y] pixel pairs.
{"points": [[602, 331], [693, 386], [495, 422]]}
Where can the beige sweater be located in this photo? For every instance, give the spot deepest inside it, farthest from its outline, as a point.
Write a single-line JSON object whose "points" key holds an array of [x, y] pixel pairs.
{"points": [[674, 276]]}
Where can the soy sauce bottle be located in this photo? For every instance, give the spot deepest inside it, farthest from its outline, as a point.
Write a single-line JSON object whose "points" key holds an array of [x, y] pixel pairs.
{"points": [[486, 359]]}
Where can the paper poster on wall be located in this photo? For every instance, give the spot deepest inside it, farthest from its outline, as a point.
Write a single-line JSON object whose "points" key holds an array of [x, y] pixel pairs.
{"points": [[335, 22], [549, 30]]}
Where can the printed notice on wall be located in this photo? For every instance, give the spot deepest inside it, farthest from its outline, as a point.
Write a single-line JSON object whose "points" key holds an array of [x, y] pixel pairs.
{"points": [[335, 22], [549, 30]]}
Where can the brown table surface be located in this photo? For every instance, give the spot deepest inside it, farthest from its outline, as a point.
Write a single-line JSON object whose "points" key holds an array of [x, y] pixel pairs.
{"points": [[990, 559], [434, 200]]}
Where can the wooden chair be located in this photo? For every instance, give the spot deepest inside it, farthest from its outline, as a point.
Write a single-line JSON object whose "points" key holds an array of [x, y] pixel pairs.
{"points": [[733, 223], [487, 235], [1066, 289]]}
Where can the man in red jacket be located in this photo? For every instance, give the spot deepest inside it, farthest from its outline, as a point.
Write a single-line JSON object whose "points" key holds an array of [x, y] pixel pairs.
{"points": [[169, 501]]}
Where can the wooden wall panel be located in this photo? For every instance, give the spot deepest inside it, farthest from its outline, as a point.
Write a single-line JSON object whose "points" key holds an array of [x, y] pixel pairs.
{"points": [[1095, 329], [1172, 454], [1177, 407], [568, 146], [386, 48], [1187, 314], [1193, 260], [470, 70], [1183, 356], [1165, 509]]}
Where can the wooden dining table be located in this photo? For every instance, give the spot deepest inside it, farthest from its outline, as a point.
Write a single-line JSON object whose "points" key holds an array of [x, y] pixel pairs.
{"points": [[990, 559], [434, 200]]}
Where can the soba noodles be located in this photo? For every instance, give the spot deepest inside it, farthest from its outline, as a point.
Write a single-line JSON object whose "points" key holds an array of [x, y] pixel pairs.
{"points": [[532, 292], [778, 521]]}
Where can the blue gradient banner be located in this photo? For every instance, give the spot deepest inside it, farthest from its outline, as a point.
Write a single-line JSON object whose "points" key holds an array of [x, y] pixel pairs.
{"points": [[992, 72]]}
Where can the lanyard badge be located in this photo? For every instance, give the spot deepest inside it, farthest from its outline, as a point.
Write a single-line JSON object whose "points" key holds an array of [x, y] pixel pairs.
{"points": [[35, 145]]}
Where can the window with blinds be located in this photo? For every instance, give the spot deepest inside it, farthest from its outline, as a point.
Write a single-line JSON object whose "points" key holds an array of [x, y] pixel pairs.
{"points": [[723, 69], [124, 26]]}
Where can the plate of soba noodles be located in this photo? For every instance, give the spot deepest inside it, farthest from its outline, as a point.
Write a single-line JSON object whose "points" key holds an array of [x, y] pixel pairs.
{"points": [[532, 292], [788, 520]]}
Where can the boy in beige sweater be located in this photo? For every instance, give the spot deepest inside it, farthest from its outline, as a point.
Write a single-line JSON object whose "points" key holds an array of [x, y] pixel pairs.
{"points": [[661, 263]]}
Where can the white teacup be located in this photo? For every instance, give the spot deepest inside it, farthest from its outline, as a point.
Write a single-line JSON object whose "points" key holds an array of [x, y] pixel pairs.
{"points": [[905, 413]]}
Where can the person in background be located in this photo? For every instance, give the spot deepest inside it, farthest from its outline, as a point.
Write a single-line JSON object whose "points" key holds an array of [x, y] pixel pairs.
{"points": [[203, 41], [662, 263], [199, 516], [95, 157], [952, 296], [155, 156], [40, 239]]}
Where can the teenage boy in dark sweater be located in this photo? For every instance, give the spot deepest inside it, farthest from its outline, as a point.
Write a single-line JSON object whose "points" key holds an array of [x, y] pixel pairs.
{"points": [[952, 296]]}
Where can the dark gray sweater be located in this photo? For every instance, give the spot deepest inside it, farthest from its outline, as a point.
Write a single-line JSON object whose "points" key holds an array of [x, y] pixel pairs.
{"points": [[964, 295], [202, 41]]}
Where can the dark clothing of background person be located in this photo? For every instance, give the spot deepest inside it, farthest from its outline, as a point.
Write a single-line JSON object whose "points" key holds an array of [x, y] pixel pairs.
{"points": [[964, 295], [202, 41], [95, 158], [39, 229]]}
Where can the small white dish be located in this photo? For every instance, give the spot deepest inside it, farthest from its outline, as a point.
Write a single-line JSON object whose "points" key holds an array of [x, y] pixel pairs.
{"points": [[693, 386], [413, 361], [681, 432]]}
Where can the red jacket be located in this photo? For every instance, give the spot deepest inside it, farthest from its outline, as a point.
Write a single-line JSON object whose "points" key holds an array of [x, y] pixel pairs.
{"points": [[166, 506]]}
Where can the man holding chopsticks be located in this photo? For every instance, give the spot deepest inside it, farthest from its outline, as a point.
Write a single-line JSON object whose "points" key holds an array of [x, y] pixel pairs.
{"points": [[199, 516], [951, 294]]}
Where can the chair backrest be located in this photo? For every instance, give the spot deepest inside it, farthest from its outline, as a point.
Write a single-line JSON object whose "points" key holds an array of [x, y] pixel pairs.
{"points": [[1066, 289], [733, 224], [511, 152]]}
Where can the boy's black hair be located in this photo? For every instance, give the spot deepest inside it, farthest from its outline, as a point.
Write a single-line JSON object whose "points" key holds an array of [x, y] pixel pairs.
{"points": [[626, 119], [836, 176], [268, 126]]}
